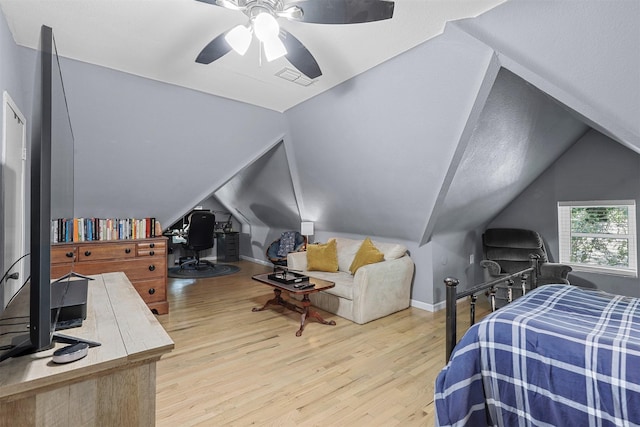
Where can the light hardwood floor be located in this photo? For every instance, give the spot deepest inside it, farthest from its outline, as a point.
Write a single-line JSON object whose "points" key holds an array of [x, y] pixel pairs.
{"points": [[235, 367]]}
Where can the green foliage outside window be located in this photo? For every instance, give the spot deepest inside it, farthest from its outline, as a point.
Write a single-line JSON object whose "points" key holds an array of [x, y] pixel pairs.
{"points": [[595, 236]]}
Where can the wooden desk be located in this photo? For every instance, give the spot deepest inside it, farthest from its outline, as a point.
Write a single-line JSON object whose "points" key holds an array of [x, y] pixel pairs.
{"points": [[114, 385]]}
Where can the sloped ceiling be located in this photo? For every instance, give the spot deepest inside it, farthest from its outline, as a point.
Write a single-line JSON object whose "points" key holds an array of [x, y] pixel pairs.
{"points": [[584, 54], [262, 193], [160, 40], [520, 133]]}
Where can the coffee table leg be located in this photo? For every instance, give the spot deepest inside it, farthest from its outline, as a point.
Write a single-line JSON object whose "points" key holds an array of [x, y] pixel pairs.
{"points": [[276, 300], [310, 312]]}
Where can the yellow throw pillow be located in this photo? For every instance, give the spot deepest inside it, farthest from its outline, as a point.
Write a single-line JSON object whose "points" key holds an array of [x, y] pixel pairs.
{"points": [[367, 254], [323, 257]]}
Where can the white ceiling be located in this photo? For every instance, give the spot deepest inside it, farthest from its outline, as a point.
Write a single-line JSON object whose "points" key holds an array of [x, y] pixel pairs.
{"points": [[160, 39]]}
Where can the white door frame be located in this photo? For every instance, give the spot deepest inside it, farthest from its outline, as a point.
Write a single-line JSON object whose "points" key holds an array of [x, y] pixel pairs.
{"points": [[9, 103]]}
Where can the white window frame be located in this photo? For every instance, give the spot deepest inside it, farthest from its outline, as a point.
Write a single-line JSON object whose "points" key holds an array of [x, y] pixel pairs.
{"points": [[564, 237]]}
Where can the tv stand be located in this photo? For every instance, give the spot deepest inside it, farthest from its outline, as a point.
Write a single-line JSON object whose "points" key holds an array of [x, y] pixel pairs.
{"points": [[114, 384]]}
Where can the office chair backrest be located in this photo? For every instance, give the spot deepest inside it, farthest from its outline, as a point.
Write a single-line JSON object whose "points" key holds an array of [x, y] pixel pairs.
{"points": [[201, 226]]}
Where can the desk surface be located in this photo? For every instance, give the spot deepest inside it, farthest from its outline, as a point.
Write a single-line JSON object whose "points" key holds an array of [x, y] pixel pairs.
{"points": [[117, 318]]}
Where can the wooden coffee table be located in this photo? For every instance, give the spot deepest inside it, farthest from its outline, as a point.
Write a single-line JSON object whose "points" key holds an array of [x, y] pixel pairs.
{"points": [[306, 310]]}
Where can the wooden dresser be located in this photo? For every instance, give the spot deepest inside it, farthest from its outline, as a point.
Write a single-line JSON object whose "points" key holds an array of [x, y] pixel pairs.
{"points": [[144, 261]]}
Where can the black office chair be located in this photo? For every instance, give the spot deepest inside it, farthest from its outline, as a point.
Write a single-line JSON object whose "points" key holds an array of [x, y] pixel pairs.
{"points": [[199, 237]]}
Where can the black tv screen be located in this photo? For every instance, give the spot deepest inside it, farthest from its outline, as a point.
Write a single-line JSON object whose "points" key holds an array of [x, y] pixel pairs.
{"points": [[51, 173]]}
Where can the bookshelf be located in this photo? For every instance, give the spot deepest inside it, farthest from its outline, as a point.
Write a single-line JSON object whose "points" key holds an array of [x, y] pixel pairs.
{"points": [[65, 230]]}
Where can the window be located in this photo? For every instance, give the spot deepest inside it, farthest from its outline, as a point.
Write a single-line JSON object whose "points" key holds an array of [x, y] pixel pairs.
{"points": [[599, 236]]}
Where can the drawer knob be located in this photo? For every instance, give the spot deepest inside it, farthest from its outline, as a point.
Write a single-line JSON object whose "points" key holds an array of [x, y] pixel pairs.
{"points": [[152, 253], [152, 267], [152, 291], [127, 251], [87, 253], [69, 254], [152, 245]]}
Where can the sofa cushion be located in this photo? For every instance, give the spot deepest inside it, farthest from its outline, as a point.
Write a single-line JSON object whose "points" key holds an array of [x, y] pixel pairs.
{"points": [[343, 283], [347, 249], [391, 250], [323, 257], [367, 254]]}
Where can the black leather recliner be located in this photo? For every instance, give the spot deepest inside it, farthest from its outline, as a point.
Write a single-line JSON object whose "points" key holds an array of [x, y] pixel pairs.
{"points": [[509, 250]]}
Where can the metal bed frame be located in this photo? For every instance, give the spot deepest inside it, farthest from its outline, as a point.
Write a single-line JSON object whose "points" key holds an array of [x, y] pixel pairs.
{"points": [[490, 289]]}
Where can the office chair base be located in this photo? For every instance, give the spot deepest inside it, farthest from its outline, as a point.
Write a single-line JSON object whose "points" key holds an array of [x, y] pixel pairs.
{"points": [[195, 264]]}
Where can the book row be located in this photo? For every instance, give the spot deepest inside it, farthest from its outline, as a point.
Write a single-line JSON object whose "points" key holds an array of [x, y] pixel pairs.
{"points": [[89, 229]]}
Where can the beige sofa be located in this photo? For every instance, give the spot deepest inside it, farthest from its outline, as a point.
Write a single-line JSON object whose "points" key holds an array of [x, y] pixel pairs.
{"points": [[375, 291]]}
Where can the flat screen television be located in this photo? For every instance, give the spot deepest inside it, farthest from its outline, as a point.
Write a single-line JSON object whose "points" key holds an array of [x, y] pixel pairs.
{"points": [[51, 193]]}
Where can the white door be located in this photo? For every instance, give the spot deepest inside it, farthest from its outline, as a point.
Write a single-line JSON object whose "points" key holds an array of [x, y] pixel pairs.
{"points": [[13, 176]]}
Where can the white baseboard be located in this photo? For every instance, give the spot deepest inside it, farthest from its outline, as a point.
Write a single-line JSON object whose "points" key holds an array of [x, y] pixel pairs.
{"points": [[428, 307], [255, 260]]}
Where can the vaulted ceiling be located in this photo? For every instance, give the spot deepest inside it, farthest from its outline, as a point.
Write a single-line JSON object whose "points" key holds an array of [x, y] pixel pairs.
{"points": [[161, 39]]}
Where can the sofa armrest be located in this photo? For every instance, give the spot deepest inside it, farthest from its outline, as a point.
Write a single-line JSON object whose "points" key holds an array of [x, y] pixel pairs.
{"points": [[492, 267], [382, 288], [552, 269], [297, 261]]}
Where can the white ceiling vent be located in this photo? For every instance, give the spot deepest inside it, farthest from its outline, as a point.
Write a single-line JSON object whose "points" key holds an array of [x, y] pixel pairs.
{"points": [[294, 76]]}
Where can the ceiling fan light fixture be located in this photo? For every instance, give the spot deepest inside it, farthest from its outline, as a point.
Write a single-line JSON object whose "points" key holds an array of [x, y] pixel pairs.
{"points": [[239, 38], [274, 48], [265, 26]]}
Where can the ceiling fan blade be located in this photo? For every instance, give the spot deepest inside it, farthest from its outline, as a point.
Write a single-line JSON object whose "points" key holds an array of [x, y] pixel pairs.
{"points": [[223, 3], [299, 56], [214, 2], [216, 49], [344, 11]]}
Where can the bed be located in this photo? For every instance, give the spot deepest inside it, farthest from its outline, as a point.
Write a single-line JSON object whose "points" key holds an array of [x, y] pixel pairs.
{"points": [[558, 356]]}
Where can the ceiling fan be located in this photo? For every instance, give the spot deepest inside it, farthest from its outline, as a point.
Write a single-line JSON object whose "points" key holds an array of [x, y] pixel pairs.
{"points": [[277, 42]]}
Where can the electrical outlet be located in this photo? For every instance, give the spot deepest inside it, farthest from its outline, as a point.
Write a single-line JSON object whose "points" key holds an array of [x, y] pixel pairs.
{"points": [[471, 259]]}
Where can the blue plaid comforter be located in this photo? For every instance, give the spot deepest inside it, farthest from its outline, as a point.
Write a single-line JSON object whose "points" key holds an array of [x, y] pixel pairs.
{"points": [[559, 356]]}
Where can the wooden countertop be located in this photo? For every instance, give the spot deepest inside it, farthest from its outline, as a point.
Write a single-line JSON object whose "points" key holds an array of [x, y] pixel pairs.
{"points": [[117, 317]]}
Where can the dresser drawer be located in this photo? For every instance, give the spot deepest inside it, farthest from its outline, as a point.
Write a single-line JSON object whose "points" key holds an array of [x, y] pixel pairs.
{"points": [[63, 254], [59, 270], [106, 252], [151, 249], [151, 290], [139, 269]]}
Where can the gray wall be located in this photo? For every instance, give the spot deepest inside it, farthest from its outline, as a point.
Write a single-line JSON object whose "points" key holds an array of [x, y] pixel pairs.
{"points": [[372, 153], [595, 168], [519, 133], [145, 148], [16, 78]]}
